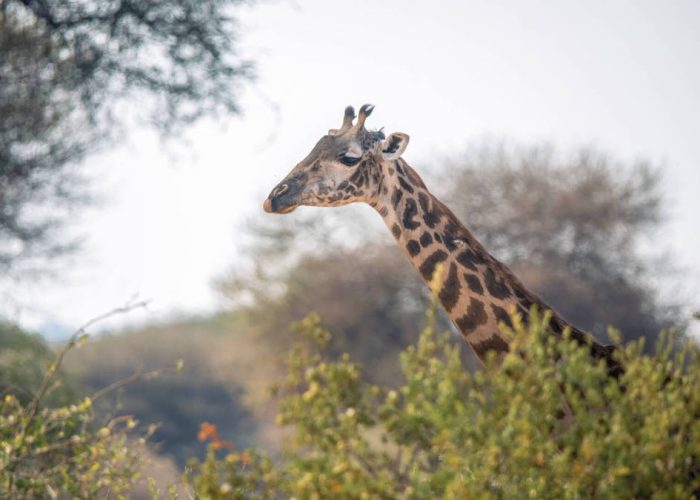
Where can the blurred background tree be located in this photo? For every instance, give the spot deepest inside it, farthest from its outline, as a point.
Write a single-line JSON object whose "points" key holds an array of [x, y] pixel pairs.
{"points": [[24, 360], [68, 73], [66, 70], [579, 229]]}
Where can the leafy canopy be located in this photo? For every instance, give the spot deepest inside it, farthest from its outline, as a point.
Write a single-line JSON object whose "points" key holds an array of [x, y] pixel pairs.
{"points": [[67, 67]]}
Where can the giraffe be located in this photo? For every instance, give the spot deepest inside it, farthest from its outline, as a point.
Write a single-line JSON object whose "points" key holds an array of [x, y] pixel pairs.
{"points": [[353, 164]]}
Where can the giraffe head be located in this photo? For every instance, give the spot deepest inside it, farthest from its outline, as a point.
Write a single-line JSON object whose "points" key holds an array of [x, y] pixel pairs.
{"points": [[345, 166]]}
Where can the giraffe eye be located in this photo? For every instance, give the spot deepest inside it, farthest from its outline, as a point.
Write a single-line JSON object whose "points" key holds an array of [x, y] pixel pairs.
{"points": [[349, 160]]}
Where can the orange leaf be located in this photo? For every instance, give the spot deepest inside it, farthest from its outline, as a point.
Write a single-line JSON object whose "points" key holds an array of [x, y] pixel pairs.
{"points": [[207, 431]]}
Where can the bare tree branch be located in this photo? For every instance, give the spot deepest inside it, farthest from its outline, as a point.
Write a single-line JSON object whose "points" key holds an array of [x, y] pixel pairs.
{"points": [[72, 342]]}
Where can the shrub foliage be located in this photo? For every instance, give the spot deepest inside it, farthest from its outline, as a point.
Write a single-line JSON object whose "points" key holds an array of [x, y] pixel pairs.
{"points": [[62, 451], [529, 427], [51, 444], [546, 422]]}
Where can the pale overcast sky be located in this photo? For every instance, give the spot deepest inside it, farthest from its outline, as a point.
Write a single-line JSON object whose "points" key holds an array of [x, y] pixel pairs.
{"points": [[620, 75]]}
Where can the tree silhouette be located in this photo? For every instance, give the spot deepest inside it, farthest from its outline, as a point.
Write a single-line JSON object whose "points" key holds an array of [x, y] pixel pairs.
{"points": [[66, 66]]}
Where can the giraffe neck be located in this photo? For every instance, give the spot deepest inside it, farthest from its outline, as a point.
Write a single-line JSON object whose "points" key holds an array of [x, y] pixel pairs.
{"points": [[476, 290]]}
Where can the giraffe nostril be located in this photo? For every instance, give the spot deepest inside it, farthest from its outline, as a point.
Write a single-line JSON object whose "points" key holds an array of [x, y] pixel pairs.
{"points": [[281, 190]]}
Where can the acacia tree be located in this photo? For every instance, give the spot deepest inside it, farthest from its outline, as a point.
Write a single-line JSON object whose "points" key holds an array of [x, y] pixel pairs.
{"points": [[571, 226], [66, 65]]}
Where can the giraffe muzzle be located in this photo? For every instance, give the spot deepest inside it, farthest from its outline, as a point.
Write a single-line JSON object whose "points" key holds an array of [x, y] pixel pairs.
{"points": [[281, 200]]}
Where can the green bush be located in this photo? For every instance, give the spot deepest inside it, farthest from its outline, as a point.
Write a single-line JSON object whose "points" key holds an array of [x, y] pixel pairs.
{"points": [[51, 444], [530, 427], [62, 452]]}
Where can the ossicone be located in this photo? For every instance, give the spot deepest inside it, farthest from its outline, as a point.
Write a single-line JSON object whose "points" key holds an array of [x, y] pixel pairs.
{"points": [[365, 111], [348, 117]]}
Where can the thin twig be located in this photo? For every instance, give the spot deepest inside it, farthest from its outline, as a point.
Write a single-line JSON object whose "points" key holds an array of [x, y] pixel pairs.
{"points": [[51, 373], [134, 377]]}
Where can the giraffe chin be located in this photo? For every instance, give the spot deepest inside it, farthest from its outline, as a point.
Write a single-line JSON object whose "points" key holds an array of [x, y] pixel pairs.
{"points": [[286, 210]]}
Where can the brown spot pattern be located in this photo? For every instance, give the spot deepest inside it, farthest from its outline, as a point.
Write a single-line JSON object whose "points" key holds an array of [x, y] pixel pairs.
{"points": [[413, 248], [496, 285], [449, 293], [409, 213], [475, 316], [494, 343], [431, 217], [469, 259], [474, 283], [501, 315], [405, 185], [396, 197], [427, 268]]}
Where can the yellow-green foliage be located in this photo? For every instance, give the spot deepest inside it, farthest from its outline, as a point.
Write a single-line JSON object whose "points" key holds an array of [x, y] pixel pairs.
{"points": [[53, 446], [499, 433], [62, 452]]}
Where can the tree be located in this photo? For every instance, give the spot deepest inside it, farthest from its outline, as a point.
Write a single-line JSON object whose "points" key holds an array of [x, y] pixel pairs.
{"points": [[24, 359], [66, 66], [571, 226]]}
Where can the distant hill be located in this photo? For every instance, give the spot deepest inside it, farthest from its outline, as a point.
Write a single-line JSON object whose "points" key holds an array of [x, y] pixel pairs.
{"points": [[224, 381]]}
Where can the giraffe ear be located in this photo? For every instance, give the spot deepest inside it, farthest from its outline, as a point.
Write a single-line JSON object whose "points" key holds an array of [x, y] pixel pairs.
{"points": [[394, 145], [332, 131]]}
